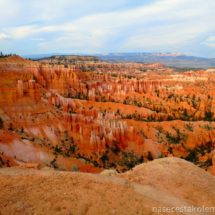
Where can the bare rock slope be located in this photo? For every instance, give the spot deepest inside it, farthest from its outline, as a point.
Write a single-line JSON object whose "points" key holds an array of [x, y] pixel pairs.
{"points": [[167, 182]]}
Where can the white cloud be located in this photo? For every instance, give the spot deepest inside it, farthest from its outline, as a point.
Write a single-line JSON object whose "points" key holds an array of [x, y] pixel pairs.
{"points": [[9, 11], [157, 25], [210, 42], [4, 36]]}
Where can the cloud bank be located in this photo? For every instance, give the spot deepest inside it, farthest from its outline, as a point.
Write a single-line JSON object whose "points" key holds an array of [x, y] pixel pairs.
{"points": [[71, 26]]}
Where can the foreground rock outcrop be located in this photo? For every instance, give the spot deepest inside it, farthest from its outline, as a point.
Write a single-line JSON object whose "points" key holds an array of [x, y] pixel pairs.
{"points": [[167, 182]]}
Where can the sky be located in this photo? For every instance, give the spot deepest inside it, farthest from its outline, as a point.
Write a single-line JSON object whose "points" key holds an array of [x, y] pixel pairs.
{"points": [[103, 26]]}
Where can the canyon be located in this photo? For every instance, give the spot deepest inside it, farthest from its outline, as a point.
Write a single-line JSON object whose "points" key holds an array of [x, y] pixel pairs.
{"points": [[87, 115]]}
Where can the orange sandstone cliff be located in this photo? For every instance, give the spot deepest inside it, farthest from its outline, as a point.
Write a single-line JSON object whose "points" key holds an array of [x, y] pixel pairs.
{"points": [[90, 115]]}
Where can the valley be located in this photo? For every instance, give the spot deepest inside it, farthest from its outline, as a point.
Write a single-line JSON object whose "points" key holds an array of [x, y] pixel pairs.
{"points": [[83, 114]]}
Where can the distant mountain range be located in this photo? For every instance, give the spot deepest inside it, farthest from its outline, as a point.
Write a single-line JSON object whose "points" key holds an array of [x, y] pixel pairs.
{"points": [[168, 59], [177, 60]]}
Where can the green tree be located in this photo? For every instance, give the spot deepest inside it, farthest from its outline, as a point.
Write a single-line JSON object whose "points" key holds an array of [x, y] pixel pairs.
{"points": [[208, 115], [1, 123]]}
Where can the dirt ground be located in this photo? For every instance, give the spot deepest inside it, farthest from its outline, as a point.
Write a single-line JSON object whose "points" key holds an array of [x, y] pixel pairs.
{"points": [[167, 182]]}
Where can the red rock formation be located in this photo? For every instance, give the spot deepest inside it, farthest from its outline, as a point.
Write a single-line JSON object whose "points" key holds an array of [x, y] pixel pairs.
{"points": [[104, 112]]}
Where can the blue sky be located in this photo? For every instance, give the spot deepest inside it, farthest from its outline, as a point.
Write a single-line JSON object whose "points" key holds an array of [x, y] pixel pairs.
{"points": [[96, 26]]}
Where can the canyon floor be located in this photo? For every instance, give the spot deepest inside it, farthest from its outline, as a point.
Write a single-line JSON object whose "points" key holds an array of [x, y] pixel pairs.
{"points": [[166, 182]]}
